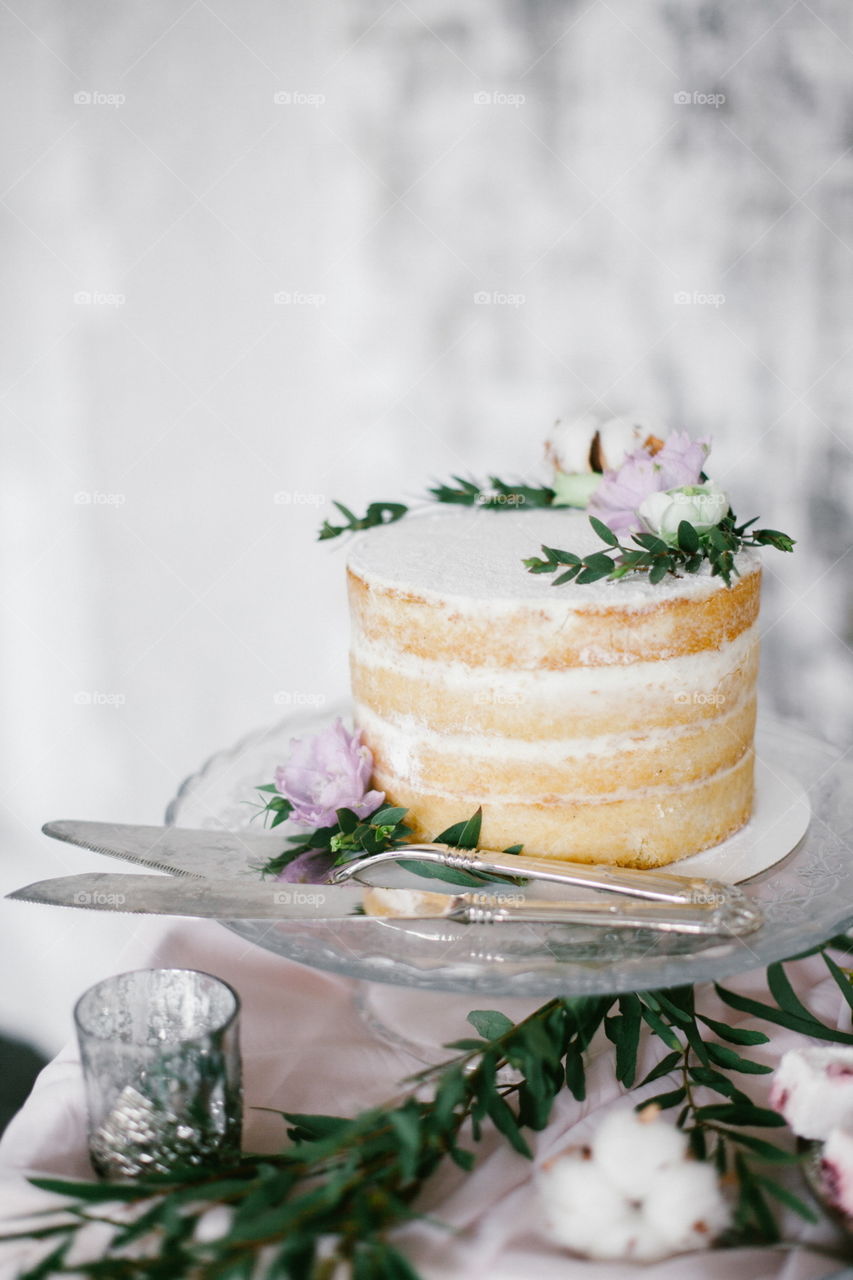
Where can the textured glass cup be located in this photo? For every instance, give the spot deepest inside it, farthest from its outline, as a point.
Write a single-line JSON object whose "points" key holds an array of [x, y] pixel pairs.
{"points": [[160, 1051]]}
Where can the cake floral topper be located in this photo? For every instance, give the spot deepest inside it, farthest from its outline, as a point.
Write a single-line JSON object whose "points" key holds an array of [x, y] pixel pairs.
{"points": [[649, 500]]}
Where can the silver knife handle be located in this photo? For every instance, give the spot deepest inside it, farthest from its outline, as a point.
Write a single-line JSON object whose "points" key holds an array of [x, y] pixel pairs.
{"points": [[733, 917]]}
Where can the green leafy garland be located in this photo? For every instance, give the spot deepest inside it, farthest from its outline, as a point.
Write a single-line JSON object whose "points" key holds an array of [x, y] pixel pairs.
{"points": [[718, 545], [341, 1186], [496, 494]]}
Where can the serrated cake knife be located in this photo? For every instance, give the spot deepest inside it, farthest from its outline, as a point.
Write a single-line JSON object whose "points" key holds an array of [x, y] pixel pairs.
{"points": [[238, 854], [274, 901]]}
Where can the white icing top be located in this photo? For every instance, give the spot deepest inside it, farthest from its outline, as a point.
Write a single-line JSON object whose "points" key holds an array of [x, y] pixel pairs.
{"points": [[477, 554]]}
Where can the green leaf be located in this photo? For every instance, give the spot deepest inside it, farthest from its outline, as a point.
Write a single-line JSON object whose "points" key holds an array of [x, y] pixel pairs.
{"points": [[96, 1192], [659, 1027], [624, 1031], [406, 1125], [665, 1067], [735, 1035], [451, 875], [752, 1204], [505, 1122], [604, 532], [725, 1057], [688, 538], [649, 542], [715, 1080], [767, 1150], [575, 1075], [773, 538], [347, 820], [490, 1023], [388, 817], [556, 556], [741, 1113], [786, 1197], [658, 572], [462, 835], [807, 1027], [784, 995], [841, 979], [664, 1100], [594, 572]]}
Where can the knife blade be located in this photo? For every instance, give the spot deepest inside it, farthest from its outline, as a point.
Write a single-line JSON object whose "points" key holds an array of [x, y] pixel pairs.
{"points": [[181, 851], [274, 900]]}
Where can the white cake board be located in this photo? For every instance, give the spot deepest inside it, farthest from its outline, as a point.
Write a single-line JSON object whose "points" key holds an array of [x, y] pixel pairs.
{"points": [[779, 821], [421, 1022]]}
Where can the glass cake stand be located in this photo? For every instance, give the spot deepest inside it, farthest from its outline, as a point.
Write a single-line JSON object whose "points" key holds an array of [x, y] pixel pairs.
{"points": [[806, 897]]}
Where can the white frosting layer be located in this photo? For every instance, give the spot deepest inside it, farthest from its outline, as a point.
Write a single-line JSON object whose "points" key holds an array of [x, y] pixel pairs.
{"points": [[400, 745], [684, 674], [475, 556], [399, 738]]}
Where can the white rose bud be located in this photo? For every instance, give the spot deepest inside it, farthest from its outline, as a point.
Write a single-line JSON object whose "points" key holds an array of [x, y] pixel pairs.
{"points": [[702, 505]]}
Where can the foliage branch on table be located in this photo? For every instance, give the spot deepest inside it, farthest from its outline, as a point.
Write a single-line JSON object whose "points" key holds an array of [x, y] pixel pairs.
{"points": [[633, 483], [342, 1185]]}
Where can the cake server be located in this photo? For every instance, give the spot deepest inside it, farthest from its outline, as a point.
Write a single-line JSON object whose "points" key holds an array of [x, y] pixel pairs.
{"points": [[274, 901], [187, 851], [659, 886]]}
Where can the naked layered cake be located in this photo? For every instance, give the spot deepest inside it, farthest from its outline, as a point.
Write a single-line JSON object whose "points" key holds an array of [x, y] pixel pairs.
{"points": [[610, 721]]}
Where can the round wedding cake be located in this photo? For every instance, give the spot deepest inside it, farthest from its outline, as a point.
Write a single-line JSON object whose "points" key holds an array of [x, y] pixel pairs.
{"points": [[605, 722]]}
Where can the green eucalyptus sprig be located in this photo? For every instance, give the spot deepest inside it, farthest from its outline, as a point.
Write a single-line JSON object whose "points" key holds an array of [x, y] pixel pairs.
{"points": [[341, 1185], [377, 513], [495, 494], [651, 554], [352, 838]]}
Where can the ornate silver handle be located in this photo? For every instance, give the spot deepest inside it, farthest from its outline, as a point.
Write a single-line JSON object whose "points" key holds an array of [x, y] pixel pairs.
{"points": [[734, 916]]}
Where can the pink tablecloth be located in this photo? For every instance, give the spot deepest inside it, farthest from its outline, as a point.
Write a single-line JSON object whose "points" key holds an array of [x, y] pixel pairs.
{"points": [[307, 1048]]}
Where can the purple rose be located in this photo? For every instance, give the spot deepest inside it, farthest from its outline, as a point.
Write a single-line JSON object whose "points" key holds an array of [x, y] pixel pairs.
{"points": [[327, 772], [618, 497]]}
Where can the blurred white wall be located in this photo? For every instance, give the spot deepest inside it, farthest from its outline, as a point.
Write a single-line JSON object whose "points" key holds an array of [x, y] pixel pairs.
{"points": [[662, 192]]}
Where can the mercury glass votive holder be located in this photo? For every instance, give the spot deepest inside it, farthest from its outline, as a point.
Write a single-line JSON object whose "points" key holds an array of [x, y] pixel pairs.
{"points": [[160, 1050]]}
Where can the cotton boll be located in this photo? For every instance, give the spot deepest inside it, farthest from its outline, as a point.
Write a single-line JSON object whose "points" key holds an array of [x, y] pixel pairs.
{"points": [[569, 443], [620, 436], [836, 1168], [580, 1203], [631, 1238], [685, 1207], [813, 1090], [629, 1149]]}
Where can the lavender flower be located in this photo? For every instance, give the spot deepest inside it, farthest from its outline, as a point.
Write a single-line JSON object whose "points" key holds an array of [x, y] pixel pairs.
{"points": [[327, 772], [678, 463]]}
